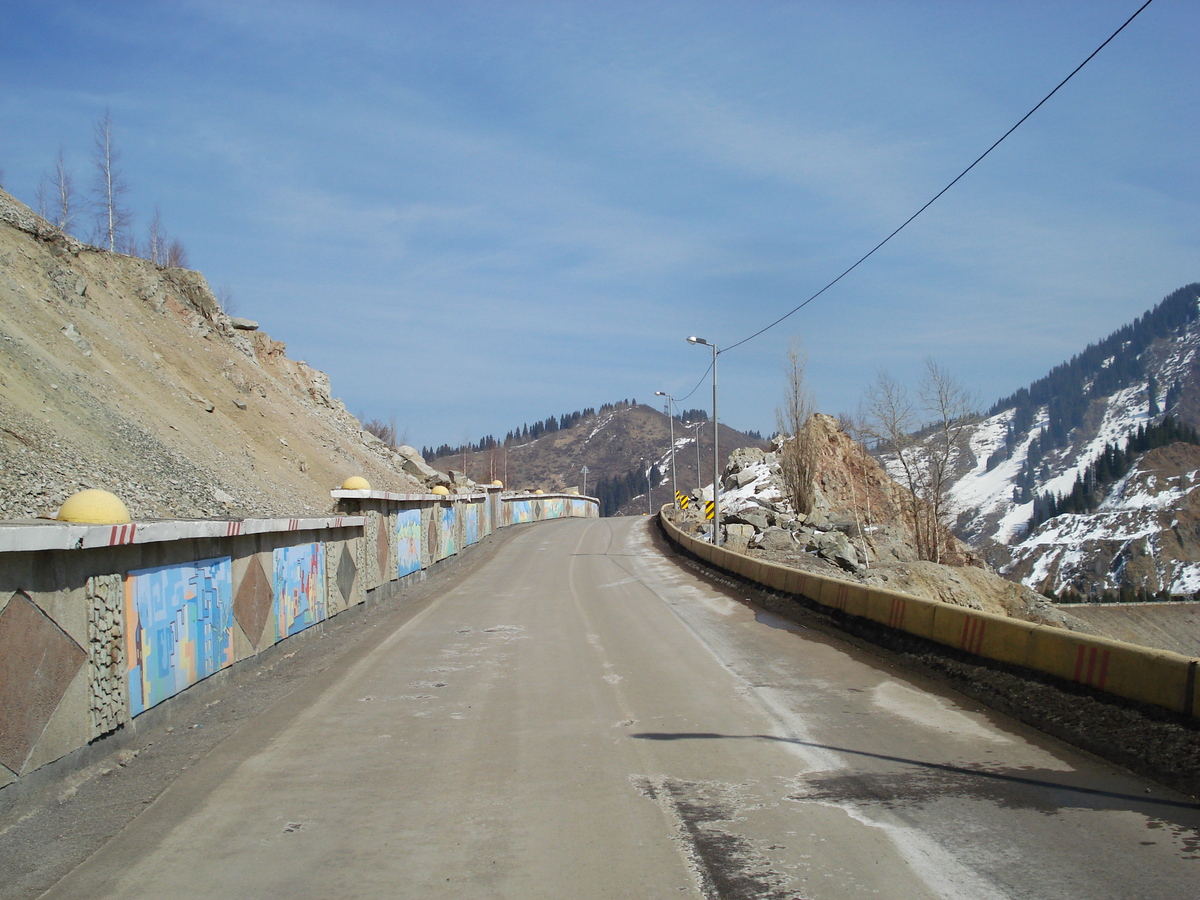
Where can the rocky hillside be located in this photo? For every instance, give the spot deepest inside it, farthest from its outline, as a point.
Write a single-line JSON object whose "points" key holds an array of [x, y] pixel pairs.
{"points": [[120, 374], [623, 442], [1143, 540], [1036, 444], [857, 530]]}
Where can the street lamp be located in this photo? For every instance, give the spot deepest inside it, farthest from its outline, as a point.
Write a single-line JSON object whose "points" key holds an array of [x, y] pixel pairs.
{"points": [[716, 457], [671, 416]]}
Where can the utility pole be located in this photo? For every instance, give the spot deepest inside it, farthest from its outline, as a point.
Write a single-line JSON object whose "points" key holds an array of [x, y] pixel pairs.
{"points": [[716, 454], [674, 487]]}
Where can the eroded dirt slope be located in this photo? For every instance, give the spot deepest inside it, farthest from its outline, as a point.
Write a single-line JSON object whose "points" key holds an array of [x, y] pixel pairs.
{"points": [[120, 374]]}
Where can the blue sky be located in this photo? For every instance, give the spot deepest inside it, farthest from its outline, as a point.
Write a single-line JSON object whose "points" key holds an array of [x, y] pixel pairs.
{"points": [[476, 214]]}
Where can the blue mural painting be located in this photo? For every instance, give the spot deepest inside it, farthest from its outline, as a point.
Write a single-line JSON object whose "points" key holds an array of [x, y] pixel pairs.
{"points": [[299, 588], [408, 542], [471, 514], [178, 628], [446, 533]]}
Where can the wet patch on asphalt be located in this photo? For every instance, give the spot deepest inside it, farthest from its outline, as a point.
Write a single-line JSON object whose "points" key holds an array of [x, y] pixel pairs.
{"points": [[725, 864]]}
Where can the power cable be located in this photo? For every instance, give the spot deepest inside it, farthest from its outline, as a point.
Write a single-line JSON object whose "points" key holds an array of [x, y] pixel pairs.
{"points": [[960, 175]]}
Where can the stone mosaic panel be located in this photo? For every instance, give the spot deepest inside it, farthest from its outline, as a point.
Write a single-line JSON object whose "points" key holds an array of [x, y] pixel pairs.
{"points": [[346, 573], [254, 602], [108, 701], [37, 662]]}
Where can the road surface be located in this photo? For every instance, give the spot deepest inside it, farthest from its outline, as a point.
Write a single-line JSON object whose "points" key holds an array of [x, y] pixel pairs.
{"points": [[586, 717]]}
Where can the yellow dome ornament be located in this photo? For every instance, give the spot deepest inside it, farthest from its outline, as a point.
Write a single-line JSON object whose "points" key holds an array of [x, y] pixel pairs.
{"points": [[441, 490], [94, 507], [498, 483], [356, 483]]}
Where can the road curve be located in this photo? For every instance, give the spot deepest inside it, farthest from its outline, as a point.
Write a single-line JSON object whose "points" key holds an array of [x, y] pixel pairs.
{"points": [[586, 717]]}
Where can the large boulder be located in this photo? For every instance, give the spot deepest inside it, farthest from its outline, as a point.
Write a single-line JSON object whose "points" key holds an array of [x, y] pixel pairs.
{"points": [[737, 537], [836, 547], [411, 461], [755, 518], [777, 539], [743, 458]]}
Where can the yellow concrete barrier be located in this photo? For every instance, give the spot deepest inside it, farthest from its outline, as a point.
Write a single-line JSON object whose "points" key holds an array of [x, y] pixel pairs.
{"points": [[1163, 679]]}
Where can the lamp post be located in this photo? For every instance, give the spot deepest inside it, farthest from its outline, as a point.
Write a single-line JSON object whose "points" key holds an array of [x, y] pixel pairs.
{"points": [[674, 488], [716, 457]]}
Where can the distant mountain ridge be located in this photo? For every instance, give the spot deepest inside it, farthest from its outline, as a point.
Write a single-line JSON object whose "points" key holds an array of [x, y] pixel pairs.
{"points": [[621, 444], [1040, 443]]}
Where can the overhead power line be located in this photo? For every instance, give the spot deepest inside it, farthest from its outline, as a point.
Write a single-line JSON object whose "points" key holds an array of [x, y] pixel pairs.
{"points": [[935, 197]]}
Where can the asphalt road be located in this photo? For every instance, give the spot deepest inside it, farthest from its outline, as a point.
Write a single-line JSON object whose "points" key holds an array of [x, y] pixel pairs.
{"points": [[585, 717]]}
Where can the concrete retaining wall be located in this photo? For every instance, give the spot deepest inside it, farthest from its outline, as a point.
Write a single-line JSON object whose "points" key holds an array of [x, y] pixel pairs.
{"points": [[100, 623], [1136, 673]]}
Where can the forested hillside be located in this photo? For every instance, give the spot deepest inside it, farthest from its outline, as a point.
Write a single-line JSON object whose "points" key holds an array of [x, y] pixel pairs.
{"points": [[1080, 482]]}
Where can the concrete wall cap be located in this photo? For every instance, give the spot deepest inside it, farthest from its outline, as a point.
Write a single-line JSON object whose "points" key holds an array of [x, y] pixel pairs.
{"points": [[22, 537]]}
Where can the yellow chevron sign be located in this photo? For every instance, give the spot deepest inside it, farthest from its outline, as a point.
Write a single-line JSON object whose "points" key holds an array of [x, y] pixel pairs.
{"points": [[710, 509], [682, 499]]}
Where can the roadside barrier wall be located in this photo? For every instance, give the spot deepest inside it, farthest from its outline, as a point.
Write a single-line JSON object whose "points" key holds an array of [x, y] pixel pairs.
{"points": [[101, 623], [1157, 677]]}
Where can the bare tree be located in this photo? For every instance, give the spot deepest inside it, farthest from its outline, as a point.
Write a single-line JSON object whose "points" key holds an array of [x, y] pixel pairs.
{"points": [[39, 198], [112, 218], [385, 431], [228, 304], [926, 462], [889, 418], [156, 240], [796, 450], [64, 195], [953, 409], [177, 257]]}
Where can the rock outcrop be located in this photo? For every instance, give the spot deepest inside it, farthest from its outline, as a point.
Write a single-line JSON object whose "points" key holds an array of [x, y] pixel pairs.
{"points": [[857, 528]]}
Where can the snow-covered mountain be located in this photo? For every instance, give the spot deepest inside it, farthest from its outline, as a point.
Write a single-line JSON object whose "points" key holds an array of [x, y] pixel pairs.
{"points": [[1035, 446]]}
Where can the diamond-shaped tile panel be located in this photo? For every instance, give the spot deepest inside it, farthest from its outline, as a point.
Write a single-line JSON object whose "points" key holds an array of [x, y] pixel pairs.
{"points": [[253, 602], [383, 552], [37, 662], [346, 571]]}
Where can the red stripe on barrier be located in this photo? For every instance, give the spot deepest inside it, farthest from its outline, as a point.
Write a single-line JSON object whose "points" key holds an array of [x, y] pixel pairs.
{"points": [[1091, 666], [122, 534], [896, 619], [972, 635], [843, 593]]}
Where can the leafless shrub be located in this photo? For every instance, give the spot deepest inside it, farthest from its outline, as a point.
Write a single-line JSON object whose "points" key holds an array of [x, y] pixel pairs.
{"points": [[797, 452]]}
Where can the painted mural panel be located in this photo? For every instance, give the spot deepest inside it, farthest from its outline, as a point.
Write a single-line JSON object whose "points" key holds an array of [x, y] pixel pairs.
{"points": [[522, 511], [579, 508], [471, 515], [555, 508], [299, 588], [408, 542], [446, 531], [178, 628]]}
